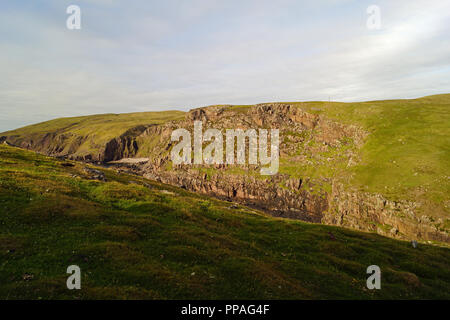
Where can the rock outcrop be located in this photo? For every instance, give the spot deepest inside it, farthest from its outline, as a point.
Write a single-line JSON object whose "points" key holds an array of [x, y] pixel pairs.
{"points": [[372, 212], [265, 194]]}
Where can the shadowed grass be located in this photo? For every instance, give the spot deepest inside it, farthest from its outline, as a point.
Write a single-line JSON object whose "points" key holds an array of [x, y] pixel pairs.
{"points": [[133, 241]]}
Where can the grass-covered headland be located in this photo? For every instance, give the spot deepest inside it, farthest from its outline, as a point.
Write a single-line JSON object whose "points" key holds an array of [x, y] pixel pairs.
{"points": [[134, 238], [405, 156]]}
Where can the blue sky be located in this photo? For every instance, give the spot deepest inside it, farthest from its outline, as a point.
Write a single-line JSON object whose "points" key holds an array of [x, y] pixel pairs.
{"points": [[158, 55]]}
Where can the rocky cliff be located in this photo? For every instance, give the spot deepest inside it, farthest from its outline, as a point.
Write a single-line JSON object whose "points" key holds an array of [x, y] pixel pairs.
{"points": [[311, 186], [307, 138]]}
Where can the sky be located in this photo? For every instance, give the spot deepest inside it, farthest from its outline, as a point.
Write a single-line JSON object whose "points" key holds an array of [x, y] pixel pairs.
{"points": [[142, 55]]}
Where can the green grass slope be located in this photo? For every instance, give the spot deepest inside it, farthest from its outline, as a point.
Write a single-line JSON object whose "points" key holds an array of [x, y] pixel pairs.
{"points": [[94, 131], [134, 238], [407, 153]]}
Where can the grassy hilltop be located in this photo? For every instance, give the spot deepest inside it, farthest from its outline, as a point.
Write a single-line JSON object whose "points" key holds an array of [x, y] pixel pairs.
{"points": [[135, 238]]}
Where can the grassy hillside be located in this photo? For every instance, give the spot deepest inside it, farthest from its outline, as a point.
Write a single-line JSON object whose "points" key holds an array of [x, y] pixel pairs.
{"points": [[406, 155], [406, 137], [134, 238], [93, 131]]}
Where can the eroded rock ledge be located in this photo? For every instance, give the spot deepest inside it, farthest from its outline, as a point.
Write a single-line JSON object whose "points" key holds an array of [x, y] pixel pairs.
{"points": [[356, 210]]}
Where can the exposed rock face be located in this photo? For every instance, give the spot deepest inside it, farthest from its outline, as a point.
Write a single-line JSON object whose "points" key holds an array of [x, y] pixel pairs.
{"points": [[285, 196], [307, 139], [265, 194], [123, 147], [372, 212]]}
